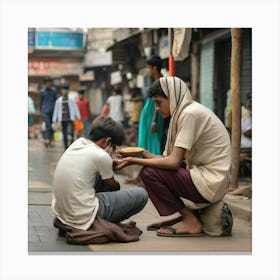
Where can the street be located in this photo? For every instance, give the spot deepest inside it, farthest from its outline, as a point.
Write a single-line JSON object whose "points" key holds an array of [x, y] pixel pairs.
{"points": [[43, 236]]}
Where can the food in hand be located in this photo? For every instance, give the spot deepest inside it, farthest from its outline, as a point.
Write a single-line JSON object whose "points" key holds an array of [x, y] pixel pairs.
{"points": [[131, 151]]}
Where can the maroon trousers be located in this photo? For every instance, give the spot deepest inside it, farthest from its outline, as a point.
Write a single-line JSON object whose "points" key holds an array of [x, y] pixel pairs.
{"points": [[165, 187]]}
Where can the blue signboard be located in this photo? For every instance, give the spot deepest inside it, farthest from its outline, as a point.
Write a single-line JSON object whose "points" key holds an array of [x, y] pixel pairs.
{"points": [[59, 40]]}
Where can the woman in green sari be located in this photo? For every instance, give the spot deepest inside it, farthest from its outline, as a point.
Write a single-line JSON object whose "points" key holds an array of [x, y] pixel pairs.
{"points": [[150, 128]]}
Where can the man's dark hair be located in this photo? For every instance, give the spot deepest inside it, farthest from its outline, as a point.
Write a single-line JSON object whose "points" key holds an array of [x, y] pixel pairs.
{"points": [[64, 87], [82, 90], [117, 90], [155, 60], [156, 90], [104, 127]]}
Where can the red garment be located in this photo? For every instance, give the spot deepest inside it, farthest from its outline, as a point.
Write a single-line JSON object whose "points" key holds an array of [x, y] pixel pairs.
{"points": [[171, 184], [83, 105]]}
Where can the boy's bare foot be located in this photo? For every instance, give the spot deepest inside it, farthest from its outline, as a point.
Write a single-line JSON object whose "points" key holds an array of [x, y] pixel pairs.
{"points": [[130, 224]]}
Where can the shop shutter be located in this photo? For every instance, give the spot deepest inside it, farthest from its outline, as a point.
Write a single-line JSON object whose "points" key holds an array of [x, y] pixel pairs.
{"points": [[206, 74], [246, 80]]}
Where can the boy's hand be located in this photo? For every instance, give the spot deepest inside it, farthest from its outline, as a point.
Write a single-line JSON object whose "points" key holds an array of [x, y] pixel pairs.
{"points": [[110, 149], [117, 187]]}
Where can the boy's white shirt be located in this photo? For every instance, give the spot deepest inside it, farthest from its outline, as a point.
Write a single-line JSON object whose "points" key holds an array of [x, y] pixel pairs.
{"points": [[74, 201]]}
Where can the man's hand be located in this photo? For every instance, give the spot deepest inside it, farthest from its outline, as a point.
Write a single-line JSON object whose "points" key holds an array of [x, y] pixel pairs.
{"points": [[118, 154], [121, 163]]}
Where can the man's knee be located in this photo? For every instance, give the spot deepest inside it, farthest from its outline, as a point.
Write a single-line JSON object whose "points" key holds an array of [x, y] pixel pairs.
{"points": [[146, 172]]}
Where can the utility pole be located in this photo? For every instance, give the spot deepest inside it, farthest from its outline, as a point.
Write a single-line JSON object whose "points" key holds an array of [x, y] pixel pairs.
{"points": [[171, 64], [195, 71], [235, 84]]}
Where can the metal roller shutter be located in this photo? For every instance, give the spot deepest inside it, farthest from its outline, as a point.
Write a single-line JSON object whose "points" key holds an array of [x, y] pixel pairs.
{"points": [[206, 74]]}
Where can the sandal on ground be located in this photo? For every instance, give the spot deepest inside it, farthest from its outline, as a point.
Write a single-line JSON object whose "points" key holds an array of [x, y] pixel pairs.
{"points": [[173, 233]]}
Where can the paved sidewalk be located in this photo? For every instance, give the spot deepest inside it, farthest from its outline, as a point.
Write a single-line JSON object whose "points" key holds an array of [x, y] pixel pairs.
{"points": [[43, 237]]}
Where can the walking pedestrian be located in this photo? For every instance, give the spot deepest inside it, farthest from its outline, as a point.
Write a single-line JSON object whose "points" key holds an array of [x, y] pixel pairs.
{"points": [[83, 105], [151, 122], [137, 105], [31, 112], [48, 96], [195, 164], [116, 104], [65, 112]]}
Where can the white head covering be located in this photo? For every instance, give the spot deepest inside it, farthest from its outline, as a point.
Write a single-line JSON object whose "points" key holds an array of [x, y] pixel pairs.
{"points": [[179, 96]]}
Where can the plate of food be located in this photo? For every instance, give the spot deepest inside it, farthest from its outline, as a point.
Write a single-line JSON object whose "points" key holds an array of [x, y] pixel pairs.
{"points": [[131, 151]]}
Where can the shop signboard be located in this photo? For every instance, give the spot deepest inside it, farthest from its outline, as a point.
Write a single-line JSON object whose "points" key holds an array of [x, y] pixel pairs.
{"points": [[116, 77], [95, 59], [88, 76], [51, 67], [31, 39], [164, 47], [59, 40], [100, 38]]}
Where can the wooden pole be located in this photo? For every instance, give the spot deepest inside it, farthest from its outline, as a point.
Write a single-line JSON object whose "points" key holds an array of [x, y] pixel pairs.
{"points": [[235, 84], [195, 71]]}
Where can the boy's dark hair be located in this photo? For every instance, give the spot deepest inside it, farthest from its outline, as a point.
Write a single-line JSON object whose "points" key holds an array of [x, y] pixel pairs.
{"points": [[104, 127], [156, 90], [155, 60]]}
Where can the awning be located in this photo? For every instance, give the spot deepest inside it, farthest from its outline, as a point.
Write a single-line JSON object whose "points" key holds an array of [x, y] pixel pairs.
{"points": [[126, 40]]}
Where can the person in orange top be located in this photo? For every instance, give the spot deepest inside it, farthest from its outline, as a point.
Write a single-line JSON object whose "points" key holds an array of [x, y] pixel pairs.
{"points": [[83, 105]]}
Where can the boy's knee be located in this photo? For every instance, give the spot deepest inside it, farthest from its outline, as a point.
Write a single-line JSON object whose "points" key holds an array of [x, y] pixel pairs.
{"points": [[145, 195], [142, 194]]}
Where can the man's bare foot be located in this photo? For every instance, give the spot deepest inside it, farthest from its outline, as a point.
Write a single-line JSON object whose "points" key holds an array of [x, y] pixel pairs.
{"points": [[181, 228], [189, 224], [156, 226]]}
